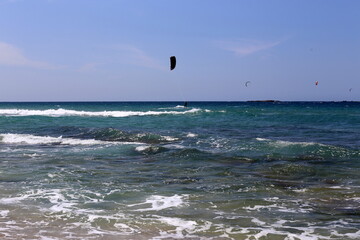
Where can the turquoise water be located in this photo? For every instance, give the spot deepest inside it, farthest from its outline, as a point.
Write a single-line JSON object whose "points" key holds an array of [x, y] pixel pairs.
{"points": [[213, 170]]}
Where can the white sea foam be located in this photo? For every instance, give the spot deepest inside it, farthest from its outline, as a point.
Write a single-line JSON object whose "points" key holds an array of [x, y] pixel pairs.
{"points": [[178, 222], [258, 222], [4, 213], [262, 139], [32, 155], [54, 196], [276, 207], [67, 112], [288, 143], [356, 199], [264, 230], [123, 228], [162, 202], [191, 135], [10, 138], [181, 226], [142, 148], [169, 138], [281, 143], [174, 146], [13, 200], [340, 187], [60, 203], [300, 190], [66, 207]]}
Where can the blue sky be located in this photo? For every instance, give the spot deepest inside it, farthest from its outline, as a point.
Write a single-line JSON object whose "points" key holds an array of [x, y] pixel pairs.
{"points": [[114, 50]]}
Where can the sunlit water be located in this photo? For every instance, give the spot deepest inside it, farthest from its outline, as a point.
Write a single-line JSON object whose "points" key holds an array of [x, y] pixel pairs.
{"points": [[161, 171]]}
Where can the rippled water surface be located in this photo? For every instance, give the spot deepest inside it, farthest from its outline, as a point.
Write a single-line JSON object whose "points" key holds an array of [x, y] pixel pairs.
{"points": [[215, 170]]}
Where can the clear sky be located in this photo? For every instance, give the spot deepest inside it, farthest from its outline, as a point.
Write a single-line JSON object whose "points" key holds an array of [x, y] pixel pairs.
{"points": [[115, 50]]}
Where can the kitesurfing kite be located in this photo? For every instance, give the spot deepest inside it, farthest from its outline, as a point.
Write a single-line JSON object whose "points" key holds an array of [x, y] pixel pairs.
{"points": [[172, 62], [247, 83]]}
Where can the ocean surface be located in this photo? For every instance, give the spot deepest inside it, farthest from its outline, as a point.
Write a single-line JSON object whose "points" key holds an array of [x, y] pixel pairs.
{"points": [[157, 170]]}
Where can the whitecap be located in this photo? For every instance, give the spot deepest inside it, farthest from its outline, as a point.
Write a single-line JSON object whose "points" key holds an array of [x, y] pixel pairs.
{"points": [[169, 138], [191, 135], [67, 112], [282, 143], [142, 148], [262, 139], [289, 143], [11, 138]]}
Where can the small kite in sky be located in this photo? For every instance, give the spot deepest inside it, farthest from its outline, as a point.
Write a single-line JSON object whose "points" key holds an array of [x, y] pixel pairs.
{"points": [[172, 62]]}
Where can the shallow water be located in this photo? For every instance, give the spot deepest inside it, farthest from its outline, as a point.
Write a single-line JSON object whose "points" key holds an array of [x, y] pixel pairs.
{"points": [[160, 171]]}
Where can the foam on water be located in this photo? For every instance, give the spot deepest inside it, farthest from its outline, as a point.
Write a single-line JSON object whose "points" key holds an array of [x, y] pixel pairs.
{"points": [[66, 112], [14, 200], [276, 207], [4, 213], [187, 177], [162, 202], [285, 229], [191, 135], [169, 138], [174, 146], [65, 207], [281, 143], [183, 228], [142, 148], [10, 138]]}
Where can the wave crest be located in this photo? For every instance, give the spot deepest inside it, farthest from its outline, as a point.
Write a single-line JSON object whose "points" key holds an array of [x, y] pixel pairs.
{"points": [[67, 112], [10, 138]]}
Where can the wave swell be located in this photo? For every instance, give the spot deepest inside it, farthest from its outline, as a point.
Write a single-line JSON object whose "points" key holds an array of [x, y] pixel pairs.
{"points": [[67, 112], [113, 135], [10, 138]]}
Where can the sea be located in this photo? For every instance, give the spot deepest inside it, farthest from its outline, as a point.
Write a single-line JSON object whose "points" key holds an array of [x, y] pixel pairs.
{"points": [[159, 170]]}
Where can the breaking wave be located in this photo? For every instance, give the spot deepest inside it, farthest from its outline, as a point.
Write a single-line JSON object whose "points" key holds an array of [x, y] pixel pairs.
{"points": [[281, 143], [66, 112], [10, 138], [113, 135]]}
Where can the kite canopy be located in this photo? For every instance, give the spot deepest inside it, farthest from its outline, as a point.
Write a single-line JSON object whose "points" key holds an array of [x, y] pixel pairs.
{"points": [[316, 83], [172, 62], [247, 83]]}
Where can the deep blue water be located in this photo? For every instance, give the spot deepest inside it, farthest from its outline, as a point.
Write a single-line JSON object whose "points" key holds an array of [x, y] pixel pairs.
{"points": [[157, 170]]}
